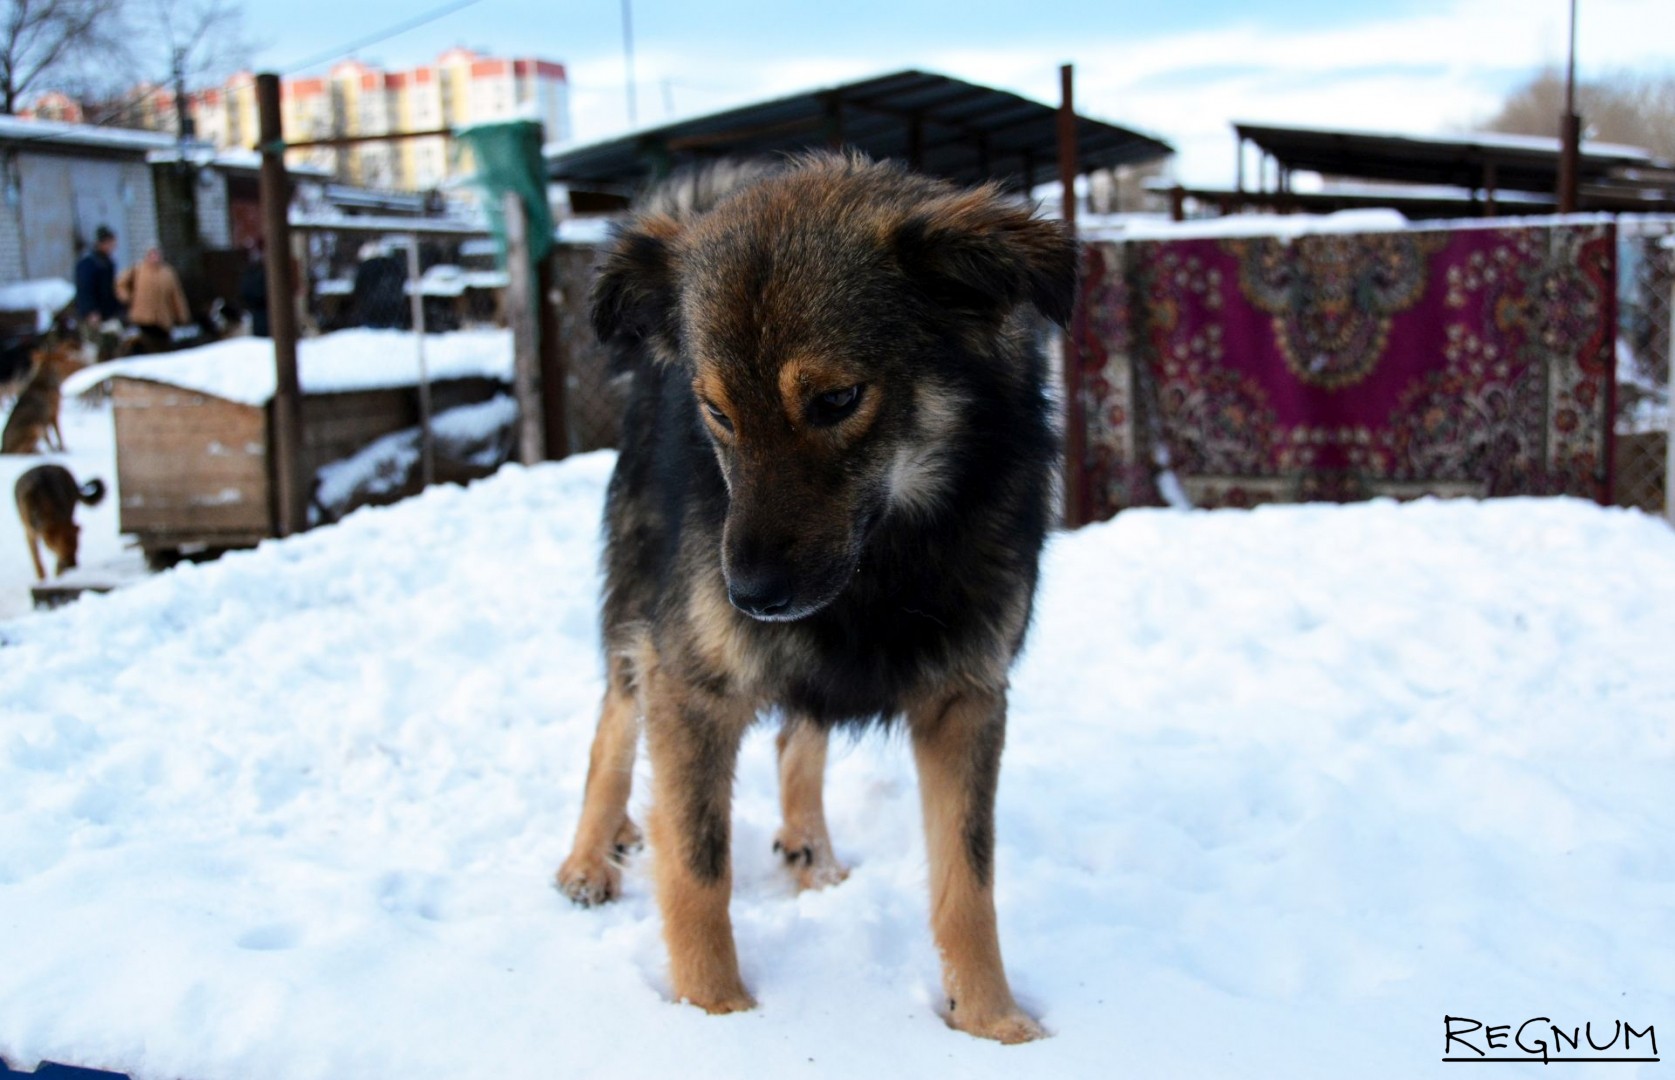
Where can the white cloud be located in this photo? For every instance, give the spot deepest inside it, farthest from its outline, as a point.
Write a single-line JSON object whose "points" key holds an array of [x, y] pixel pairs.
{"points": [[1421, 74]]}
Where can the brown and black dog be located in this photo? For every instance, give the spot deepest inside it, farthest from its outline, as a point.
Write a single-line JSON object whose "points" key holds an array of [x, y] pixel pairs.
{"points": [[46, 502], [34, 417], [836, 477]]}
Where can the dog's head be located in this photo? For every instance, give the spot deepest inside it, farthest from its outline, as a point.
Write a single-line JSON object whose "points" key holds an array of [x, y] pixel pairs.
{"points": [[823, 316]]}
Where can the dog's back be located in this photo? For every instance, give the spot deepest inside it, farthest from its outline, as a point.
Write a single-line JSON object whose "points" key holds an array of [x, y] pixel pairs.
{"points": [[36, 412], [46, 504]]}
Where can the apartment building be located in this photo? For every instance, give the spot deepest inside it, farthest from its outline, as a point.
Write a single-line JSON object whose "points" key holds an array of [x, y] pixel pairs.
{"points": [[356, 98]]}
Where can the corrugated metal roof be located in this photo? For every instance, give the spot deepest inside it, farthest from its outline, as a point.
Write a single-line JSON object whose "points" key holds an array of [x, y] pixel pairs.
{"points": [[939, 125], [1519, 163]]}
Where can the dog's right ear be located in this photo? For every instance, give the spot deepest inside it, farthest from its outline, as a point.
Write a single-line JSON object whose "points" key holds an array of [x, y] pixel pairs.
{"points": [[634, 293]]}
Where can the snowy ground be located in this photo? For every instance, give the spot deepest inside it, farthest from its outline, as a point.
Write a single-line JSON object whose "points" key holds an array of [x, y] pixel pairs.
{"points": [[92, 452], [1282, 789]]}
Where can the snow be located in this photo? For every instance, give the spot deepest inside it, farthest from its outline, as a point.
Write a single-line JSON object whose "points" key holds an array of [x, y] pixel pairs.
{"points": [[477, 435], [46, 297], [1290, 226], [19, 130], [242, 369], [1282, 788]]}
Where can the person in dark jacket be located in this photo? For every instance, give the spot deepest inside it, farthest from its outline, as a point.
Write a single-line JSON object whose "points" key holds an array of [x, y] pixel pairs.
{"points": [[96, 300], [96, 278]]}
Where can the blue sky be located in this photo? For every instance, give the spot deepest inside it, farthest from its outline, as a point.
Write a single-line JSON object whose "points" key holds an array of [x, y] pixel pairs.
{"points": [[1178, 69]]}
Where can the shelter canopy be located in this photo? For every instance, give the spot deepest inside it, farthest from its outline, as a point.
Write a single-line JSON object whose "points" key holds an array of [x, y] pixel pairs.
{"points": [[939, 125]]}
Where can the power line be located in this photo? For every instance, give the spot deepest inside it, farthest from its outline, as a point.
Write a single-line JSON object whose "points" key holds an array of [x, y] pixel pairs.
{"points": [[383, 35]]}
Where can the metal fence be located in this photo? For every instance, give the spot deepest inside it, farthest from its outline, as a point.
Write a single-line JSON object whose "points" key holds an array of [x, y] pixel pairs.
{"points": [[592, 398], [1645, 324]]}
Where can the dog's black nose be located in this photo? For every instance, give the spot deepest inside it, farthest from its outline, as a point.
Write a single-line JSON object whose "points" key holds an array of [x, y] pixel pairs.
{"points": [[761, 592]]}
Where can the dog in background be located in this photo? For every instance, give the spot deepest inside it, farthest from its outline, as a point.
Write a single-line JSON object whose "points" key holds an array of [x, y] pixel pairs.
{"points": [[46, 502], [34, 418], [835, 481], [17, 366]]}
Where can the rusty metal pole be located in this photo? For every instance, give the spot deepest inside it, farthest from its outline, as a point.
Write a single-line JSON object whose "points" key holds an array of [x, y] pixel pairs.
{"points": [[285, 438], [1570, 131], [1075, 435], [1669, 441]]}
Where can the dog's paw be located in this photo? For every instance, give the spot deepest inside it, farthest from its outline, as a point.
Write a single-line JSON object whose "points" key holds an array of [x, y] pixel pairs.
{"points": [[719, 1004], [590, 879], [1008, 1027], [595, 877], [628, 839], [809, 859]]}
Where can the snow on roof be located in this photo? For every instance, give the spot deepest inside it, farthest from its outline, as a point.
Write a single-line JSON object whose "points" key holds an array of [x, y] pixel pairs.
{"points": [[240, 158], [1279, 787], [1286, 226], [18, 130], [242, 369], [44, 296]]}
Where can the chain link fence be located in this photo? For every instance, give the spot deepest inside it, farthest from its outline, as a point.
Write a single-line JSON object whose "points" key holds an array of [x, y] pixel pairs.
{"points": [[1645, 314], [592, 397]]}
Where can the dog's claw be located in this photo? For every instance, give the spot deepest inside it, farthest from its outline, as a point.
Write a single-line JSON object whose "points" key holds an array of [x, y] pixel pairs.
{"points": [[813, 865]]}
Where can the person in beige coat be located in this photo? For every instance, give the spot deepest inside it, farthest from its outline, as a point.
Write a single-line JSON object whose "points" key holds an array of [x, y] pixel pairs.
{"points": [[156, 302]]}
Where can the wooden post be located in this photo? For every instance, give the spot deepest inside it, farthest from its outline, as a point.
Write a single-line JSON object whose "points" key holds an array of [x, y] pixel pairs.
{"points": [[427, 440], [285, 443], [554, 388], [526, 348], [1075, 502]]}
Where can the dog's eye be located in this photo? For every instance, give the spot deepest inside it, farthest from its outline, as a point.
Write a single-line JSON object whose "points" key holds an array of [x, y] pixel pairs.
{"points": [[834, 406], [718, 416]]}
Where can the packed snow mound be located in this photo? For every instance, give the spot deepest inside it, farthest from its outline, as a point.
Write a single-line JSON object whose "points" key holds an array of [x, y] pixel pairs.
{"points": [[1282, 789], [242, 369]]}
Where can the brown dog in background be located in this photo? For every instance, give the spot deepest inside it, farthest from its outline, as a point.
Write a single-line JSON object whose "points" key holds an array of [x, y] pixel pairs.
{"points": [[836, 477], [34, 418], [46, 502]]}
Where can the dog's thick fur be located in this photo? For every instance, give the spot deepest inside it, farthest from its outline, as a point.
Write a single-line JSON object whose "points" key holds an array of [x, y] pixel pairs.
{"points": [[46, 502], [34, 417], [835, 481]]}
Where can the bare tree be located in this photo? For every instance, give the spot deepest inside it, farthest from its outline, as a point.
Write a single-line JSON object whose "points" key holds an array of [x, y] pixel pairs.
{"points": [[56, 41], [1634, 109]]}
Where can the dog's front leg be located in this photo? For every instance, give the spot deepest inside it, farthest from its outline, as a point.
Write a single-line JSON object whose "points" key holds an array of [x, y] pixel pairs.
{"points": [[956, 743], [693, 740], [803, 841]]}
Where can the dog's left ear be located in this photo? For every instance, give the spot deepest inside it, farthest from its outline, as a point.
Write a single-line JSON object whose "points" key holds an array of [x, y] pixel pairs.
{"points": [[980, 252]]}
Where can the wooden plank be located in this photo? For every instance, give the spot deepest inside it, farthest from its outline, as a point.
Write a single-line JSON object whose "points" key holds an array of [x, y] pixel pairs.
{"points": [[189, 462]]}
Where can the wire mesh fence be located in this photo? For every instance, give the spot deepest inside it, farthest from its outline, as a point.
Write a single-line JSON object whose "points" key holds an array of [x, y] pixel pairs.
{"points": [[593, 398], [1645, 322]]}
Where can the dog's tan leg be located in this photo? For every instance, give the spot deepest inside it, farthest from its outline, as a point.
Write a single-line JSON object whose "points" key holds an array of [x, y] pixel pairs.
{"points": [[592, 875], [803, 840], [35, 552], [956, 744], [693, 738]]}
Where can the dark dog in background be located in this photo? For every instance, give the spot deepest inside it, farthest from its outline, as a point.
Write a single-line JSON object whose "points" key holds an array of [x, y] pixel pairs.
{"points": [[34, 417], [836, 477], [46, 502]]}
